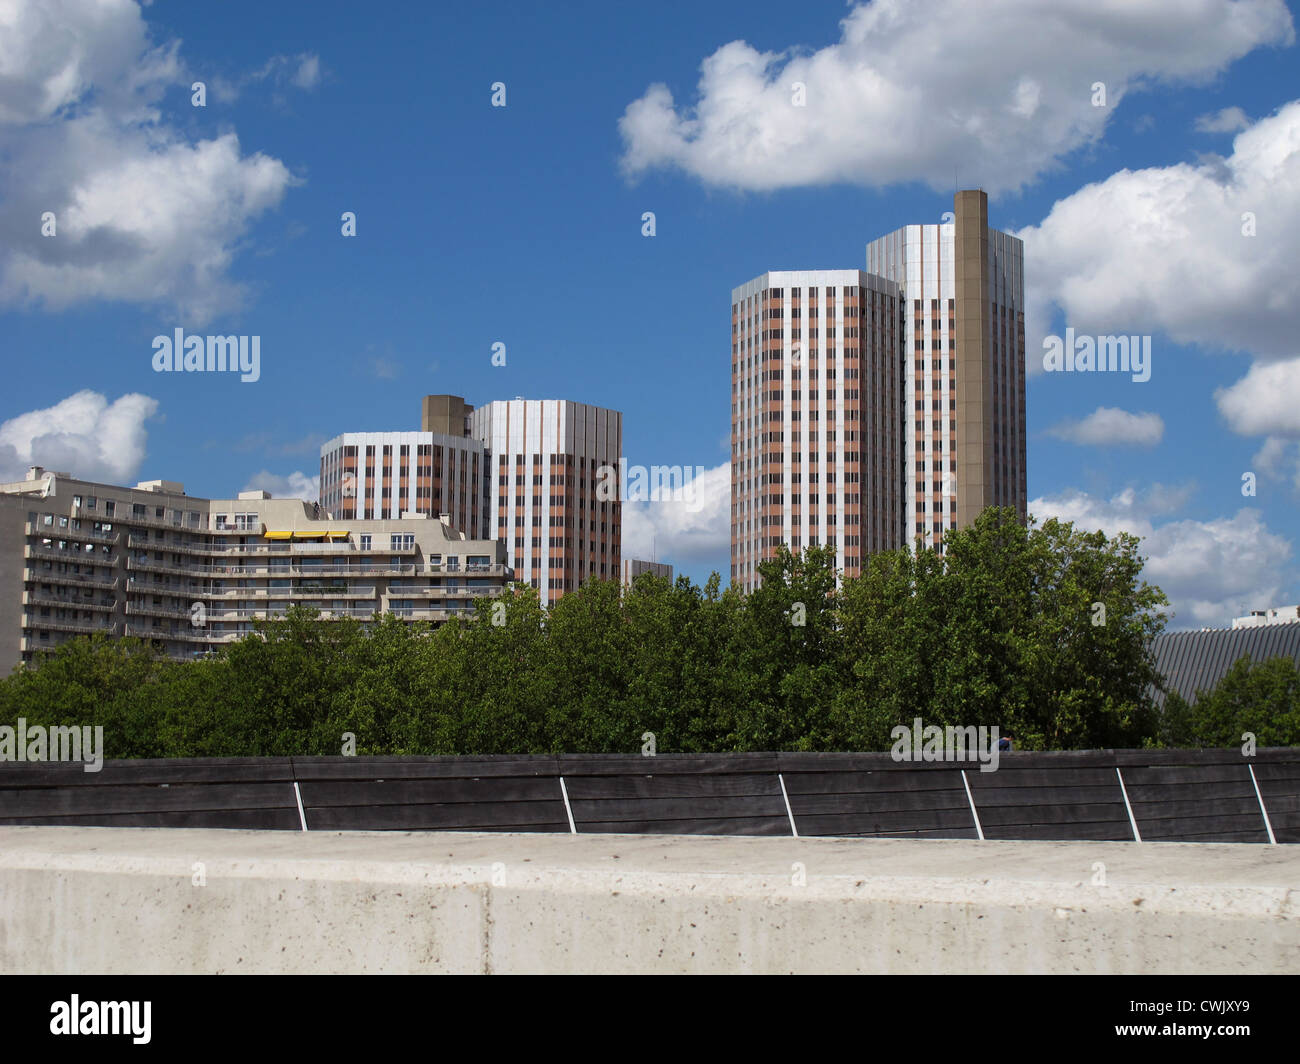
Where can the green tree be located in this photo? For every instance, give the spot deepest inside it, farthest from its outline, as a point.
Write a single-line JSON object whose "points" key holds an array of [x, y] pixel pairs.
{"points": [[784, 657], [1000, 630], [1262, 698]]}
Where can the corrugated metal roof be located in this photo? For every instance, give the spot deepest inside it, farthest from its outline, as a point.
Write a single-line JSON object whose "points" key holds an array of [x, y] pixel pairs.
{"points": [[1192, 661]]}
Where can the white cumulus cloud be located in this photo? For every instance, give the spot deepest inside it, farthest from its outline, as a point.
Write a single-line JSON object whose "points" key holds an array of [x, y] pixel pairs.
{"points": [[1108, 425], [1266, 401], [1278, 459], [1167, 250], [1211, 571], [297, 485], [141, 212], [84, 434], [1228, 120], [1000, 90], [696, 528]]}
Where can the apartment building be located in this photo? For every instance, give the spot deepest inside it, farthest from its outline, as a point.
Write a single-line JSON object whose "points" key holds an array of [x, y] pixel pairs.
{"points": [[873, 409], [191, 574], [524, 471]]}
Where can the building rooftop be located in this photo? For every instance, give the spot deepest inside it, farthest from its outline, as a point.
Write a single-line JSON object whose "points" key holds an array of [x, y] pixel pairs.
{"points": [[1192, 661]]}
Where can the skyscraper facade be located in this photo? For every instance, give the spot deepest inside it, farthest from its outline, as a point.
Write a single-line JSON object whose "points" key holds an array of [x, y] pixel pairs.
{"points": [[545, 457], [964, 366], [815, 394], [877, 408]]}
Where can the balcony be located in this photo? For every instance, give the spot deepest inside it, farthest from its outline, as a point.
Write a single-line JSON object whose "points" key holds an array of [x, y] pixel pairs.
{"points": [[53, 624], [326, 548], [258, 613], [149, 565], [46, 576], [416, 613], [145, 609], [150, 521], [495, 569], [86, 535], [323, 591], [422, 591], [172, 589], [37, 598], [245, 613], [182, 635], [67, 554], [314, 592], [414, 591], [275, 548], [314, 547], [308, 570]]}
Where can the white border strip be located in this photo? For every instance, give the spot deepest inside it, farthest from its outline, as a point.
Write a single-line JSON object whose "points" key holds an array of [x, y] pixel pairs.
{"points": [[979, 830], [788, 811], [567, 808], [302, 817], [1137, 835], [1262, 808]]}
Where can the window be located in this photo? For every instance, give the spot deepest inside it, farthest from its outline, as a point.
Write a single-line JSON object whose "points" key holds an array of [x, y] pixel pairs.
{"points": [[363, 542]]}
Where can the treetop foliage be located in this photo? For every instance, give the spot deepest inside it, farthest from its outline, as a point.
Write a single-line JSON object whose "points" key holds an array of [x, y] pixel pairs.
{"points": [[1044, 631]]}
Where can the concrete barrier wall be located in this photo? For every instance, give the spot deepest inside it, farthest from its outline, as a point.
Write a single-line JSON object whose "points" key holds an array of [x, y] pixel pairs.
{"points": [[145, 900]]}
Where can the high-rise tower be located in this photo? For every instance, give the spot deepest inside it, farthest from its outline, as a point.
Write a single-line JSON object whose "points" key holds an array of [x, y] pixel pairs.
{"points": [[964, 341], [876, 408]]}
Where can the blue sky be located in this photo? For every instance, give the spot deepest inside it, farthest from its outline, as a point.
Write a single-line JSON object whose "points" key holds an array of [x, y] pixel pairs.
{"points": [[522, 225]]}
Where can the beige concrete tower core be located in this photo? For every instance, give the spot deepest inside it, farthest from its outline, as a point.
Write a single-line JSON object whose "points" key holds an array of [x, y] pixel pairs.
{"points": [[974, 416], [445, 414]]}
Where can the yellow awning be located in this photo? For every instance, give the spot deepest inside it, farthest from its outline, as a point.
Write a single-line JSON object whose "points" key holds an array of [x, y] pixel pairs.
{"points": [[278, 535], [309, 535], [337, 535]]}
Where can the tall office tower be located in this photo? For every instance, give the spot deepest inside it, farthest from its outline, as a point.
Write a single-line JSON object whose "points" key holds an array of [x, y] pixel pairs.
{"points": [[547, 456], [815, 452], [870, 409], [964, 431]]}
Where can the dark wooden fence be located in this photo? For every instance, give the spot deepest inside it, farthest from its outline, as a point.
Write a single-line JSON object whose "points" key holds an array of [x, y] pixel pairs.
{"points": [[1161, 795]]}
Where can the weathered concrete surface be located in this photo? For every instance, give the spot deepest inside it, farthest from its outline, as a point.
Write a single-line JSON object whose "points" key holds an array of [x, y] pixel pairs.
{"points": [[111, 900]]}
